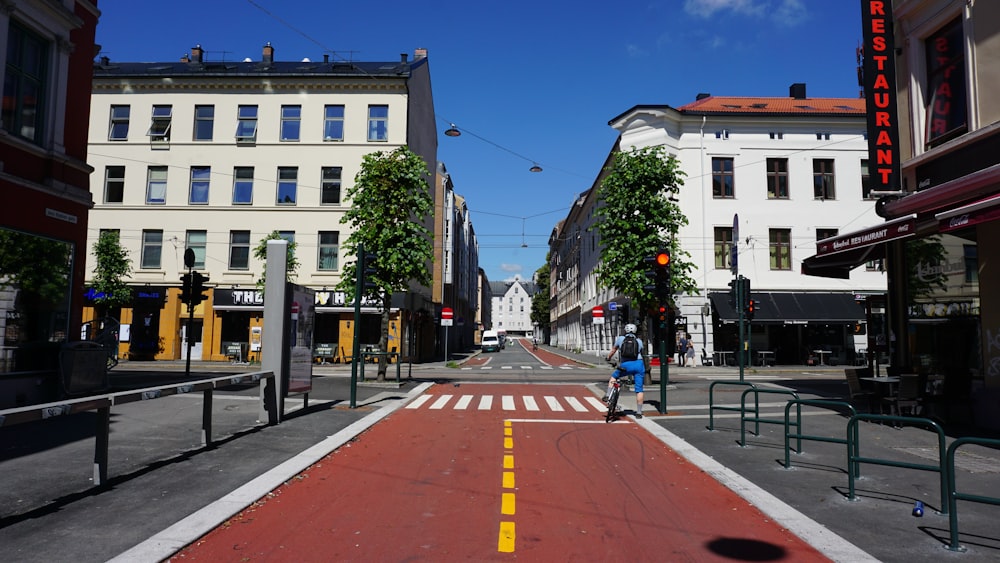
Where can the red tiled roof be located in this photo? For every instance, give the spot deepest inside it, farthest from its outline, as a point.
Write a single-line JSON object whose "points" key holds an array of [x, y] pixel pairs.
{"points": [[794, 106]]}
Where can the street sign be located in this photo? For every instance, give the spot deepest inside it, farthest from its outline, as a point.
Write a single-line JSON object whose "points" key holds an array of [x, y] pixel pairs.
{"points": [[447, 316], [613, 306], [598, 315]]}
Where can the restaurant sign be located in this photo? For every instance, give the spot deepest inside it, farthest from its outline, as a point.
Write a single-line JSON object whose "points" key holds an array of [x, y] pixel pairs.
{"points": [[859, 239], [879, 83]]}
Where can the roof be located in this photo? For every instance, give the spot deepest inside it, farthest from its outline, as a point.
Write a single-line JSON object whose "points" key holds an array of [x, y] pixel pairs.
{"points": [[774, 106], [110, 69]]}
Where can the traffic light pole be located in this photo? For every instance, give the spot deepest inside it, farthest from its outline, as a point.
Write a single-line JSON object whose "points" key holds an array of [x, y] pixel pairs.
{"points": [[359, 273], [664, 372], [190, 327], [740, 299]]}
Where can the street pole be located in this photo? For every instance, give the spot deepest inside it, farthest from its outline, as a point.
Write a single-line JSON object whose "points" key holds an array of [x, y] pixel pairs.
{"points": [[664, 374], [359, 273], [190, 328], [739, 305]]}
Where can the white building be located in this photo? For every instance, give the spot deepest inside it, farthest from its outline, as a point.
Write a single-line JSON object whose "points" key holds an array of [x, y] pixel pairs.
{"points": [[215, 155], [794, 171], [511, 306]]}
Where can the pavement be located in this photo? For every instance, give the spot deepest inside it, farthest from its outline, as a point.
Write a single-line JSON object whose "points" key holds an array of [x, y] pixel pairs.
{"points": [[166, 490]]}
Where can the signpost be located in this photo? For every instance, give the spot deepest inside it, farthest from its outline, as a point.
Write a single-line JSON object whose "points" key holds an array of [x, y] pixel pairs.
{"points": [[598, 315], [447, 320]]}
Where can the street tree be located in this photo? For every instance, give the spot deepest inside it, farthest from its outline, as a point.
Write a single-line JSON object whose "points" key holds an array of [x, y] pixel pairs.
{"points": [[540, 300], [291, 262], [637, 215], [112, 270], [392, 205]]}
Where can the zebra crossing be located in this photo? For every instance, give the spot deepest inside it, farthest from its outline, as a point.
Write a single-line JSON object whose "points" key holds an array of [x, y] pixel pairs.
{"points": [[563, 367], [552, 403]]}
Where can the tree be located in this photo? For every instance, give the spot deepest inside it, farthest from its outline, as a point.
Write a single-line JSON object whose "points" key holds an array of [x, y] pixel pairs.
{"points": [[111, 271], [639, 215], [391, 204], [540, 301], [291, 262]]}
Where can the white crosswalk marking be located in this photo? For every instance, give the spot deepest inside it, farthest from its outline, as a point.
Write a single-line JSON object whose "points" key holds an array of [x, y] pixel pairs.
{"points": [[507, 402], [595, 403], [530, 404], [463, 402], [553, 403], [419, 401], [485, 402], [441, 402], [575, 404]]}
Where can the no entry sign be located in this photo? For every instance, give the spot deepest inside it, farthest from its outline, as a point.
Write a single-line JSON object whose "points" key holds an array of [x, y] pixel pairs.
{"points": [[447, 316], [598, 315]]}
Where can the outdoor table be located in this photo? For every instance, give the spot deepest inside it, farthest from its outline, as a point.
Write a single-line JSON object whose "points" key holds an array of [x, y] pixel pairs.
{"points": [[723, 354], [884, 384], [765, 357], [822, 353]]}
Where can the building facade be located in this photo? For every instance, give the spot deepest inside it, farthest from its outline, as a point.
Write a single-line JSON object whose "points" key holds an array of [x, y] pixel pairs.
{"points": [[46, 51], [511, 307], [768, 176], [214, 156]]}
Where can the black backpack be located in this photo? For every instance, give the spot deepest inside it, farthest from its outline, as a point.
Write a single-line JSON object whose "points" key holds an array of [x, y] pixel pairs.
{"points": [[629, 348]]}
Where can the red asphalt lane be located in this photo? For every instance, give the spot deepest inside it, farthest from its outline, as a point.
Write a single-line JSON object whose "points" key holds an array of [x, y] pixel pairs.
{"points": [[430, 484]]}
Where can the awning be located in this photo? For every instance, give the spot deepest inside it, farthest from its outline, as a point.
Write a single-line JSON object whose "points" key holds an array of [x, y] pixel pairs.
{"points": [[837, 256], [794, 308], [986, 209]]}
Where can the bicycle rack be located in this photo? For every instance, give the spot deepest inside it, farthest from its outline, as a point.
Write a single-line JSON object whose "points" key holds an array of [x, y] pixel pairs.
{"points": [[826, 403], [711, 400], [854, 456], [954, 496], [757, 420]]}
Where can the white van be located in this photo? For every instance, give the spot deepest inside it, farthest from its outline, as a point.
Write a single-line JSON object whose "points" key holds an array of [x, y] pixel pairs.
{"points": [[490, 342]]}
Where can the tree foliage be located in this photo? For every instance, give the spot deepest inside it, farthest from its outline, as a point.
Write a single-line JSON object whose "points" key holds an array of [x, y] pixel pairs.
{"points": [[540, 300], [112, 270], [636, 218], [291, 262], [392, 202]]}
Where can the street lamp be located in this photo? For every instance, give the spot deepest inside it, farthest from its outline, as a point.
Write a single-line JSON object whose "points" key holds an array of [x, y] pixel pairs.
{"points": [[453, 131]]}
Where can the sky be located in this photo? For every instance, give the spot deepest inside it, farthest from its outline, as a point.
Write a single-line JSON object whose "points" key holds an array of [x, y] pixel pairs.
{"points": [[527, 82]]}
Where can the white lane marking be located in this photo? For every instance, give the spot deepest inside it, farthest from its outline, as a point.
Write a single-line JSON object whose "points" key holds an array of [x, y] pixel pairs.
{"points": [[507, 402], [529, 403], [553, 403], [595, 403], [575, 404], [485, 402], [463, 402], [419, 401], [441, 402]]}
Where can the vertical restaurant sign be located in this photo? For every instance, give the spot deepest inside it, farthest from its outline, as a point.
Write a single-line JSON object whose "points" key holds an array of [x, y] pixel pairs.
{"points": [[879, 73]]}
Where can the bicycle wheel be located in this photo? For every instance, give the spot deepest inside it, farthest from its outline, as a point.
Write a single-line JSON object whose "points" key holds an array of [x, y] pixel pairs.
{"points": [[612, 405]]}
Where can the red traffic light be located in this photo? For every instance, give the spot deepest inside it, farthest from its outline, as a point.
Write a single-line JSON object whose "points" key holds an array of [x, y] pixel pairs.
{"points": [[662, 258]]}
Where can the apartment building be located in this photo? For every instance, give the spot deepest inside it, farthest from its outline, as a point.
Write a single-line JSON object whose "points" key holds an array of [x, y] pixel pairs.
{"points": [[215, 155], [46, 49], [511, 306], [779, 172]]}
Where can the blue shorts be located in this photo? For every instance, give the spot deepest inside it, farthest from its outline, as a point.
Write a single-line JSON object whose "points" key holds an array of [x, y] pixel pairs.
{"points": [[635, 368]]}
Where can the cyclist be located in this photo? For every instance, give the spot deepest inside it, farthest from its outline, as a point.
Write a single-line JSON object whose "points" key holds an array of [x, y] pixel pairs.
{"points": [[534, 343], [631, 362]]}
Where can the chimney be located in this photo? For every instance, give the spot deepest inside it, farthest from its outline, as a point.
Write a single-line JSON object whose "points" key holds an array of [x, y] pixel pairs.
{"points": [[702, 96], [268, 53], [326, 58], [105, 61], [185, 58], [797, 90], [419, 53], [196, 53], [403, 57]]}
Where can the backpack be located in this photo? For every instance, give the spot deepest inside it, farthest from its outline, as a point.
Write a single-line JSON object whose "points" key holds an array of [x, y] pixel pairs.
{"points": [[629, 348]]}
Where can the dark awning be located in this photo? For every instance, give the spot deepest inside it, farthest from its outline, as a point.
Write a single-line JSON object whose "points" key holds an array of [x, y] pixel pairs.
{"points": [[794, 308], [986, 209], [837, 256]]}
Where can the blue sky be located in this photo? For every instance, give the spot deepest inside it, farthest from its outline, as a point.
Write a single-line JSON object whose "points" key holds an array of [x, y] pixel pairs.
{"points": [[530, 82]]}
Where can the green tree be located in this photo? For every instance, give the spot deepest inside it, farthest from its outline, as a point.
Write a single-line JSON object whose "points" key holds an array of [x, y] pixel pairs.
{"points": [[637, 216], [291, 262], [391, 204], [112, 270], [540, 301]]}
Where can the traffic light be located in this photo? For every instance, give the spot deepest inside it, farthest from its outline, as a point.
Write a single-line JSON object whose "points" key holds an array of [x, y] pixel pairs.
{"points": [[186, 288], [658, 269], [733, 293], [744, 292], [198, 288], [751, 309], [662, 316], [366, 270]]}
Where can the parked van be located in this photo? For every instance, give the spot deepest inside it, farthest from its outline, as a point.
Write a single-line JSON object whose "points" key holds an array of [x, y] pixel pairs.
{"points": [[490, 342]]}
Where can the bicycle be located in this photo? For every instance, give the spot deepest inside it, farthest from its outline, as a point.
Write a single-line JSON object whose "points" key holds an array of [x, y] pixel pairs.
{"points": [[534, 345], [616, 388]]}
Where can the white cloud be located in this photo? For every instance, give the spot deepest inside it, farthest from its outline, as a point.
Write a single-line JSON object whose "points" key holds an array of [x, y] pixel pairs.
{"points": [[790, 13], [511, 268], [707, 8], [634, 50]]}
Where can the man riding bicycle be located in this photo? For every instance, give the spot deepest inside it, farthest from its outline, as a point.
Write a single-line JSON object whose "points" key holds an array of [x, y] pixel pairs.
{"points": [[630, 348]]}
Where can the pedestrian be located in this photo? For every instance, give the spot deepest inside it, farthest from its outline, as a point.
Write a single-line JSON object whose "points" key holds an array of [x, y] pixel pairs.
{"points": [[630, 361], [682, 346], [691, 362]]}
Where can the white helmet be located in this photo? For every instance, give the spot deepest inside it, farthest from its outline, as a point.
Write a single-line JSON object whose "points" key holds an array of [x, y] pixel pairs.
{"points": [[630, 328]]}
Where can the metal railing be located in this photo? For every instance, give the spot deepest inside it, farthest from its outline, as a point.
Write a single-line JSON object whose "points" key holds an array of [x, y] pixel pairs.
{"points": [[954, 496], [757, 420], [102, 405], [711, 400], [799, 436]]}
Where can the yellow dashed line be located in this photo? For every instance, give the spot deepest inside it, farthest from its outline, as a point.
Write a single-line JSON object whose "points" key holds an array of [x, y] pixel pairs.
{"points": [[508, 443], [505, 542], [508, 479], [507, 504], [508, 461]]}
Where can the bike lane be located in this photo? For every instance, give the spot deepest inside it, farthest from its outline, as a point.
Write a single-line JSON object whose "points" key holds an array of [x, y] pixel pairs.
{"points": [[481, 472]]}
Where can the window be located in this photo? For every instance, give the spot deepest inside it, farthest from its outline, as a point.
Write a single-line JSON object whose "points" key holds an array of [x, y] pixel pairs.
{"points": [[777, 178], [287, 183], [970, 253], [204, 123], [239, 250], [199, 184], [24, 86], [196, 241], [723, 247], [333, 123], [866, 181], [118, 130], [243, 185], [947, 115], [776, 135], [152, 247], [822, 234], [287, 235], [876, 265], [114, 184], [723, 134], [781, 249], [330, 190], [156, 185], [378, 123], [159, 128], [246, 127], [329, 250], [823, 184], [822, 136], [291, 122], [722, 177]]}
